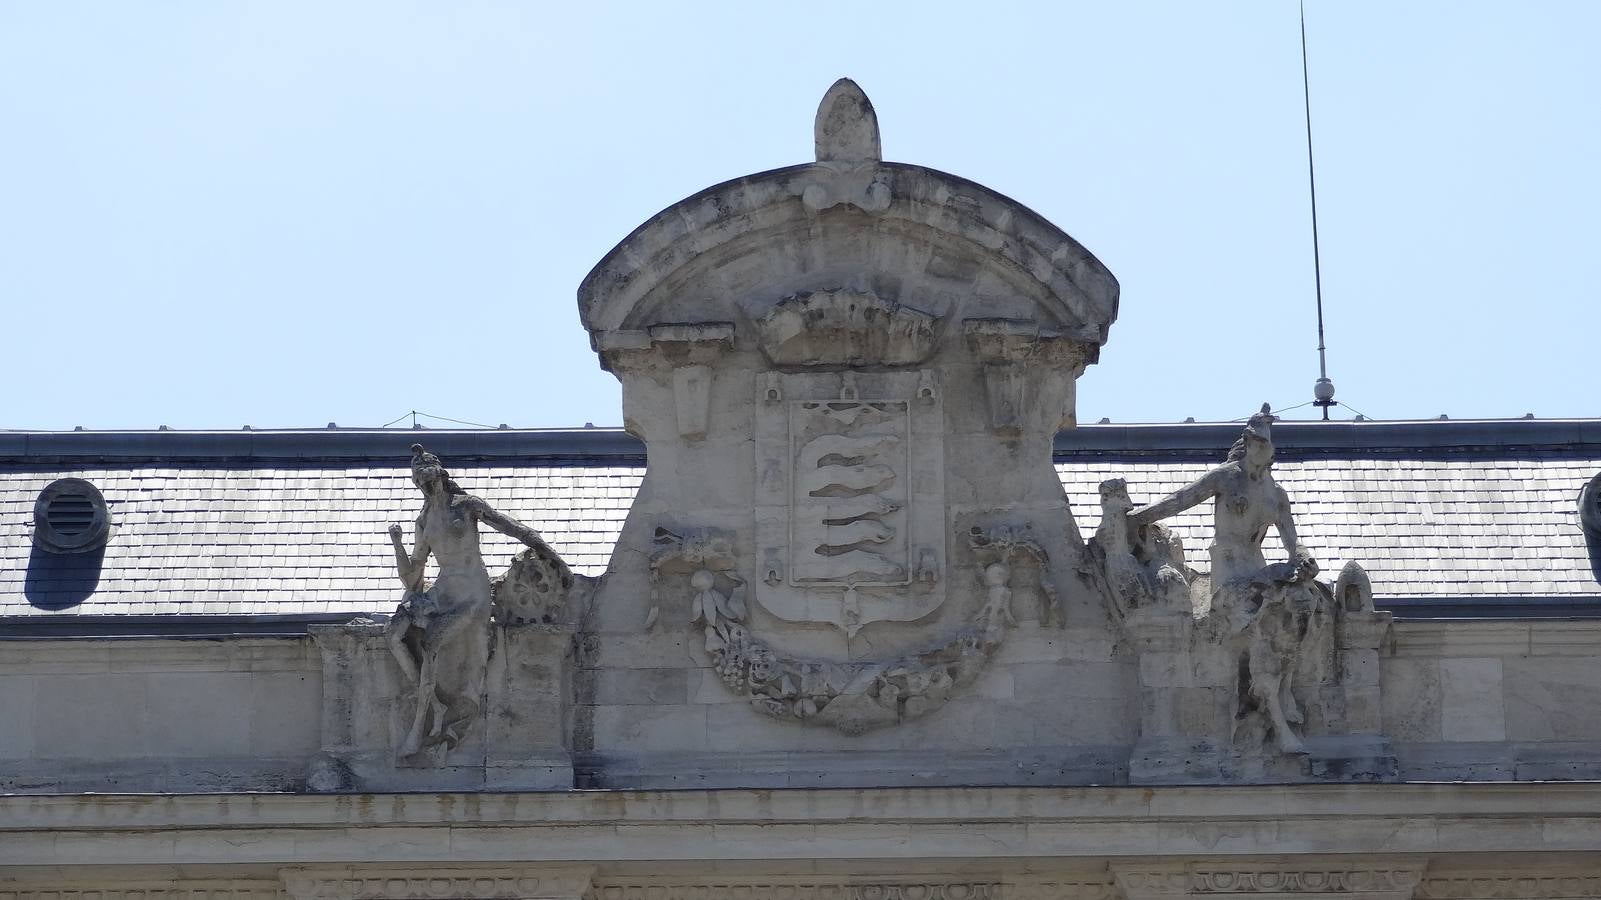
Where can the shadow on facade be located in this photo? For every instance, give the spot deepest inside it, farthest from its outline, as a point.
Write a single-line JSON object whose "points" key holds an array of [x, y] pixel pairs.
{"points": [[62, 580]]}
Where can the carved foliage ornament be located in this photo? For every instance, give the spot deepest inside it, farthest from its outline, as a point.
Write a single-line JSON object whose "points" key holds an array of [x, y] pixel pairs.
{"points": [[1501, 886], [439, 883], [850, 696], [856, 889], [1207, 880], [846, 328], [169, 890]]}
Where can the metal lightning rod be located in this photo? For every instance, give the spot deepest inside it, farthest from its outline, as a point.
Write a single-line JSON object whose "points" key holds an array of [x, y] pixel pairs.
{"points": [[1323, 391]]}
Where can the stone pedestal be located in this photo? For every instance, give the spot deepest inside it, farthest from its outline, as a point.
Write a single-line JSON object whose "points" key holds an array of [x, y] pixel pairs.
{"points": [[1363, 638], [1183, 704], [1187, 685], [519, 743]]}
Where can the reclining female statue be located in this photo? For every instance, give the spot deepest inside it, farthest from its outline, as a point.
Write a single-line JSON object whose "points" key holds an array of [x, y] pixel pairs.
{"points": [[440, 633], [1271, 607]]}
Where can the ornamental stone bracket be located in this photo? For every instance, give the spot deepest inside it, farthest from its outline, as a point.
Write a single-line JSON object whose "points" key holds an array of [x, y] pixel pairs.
{"points": [[439, 883], [1366, 879], [686, 352], [1013, 353]]}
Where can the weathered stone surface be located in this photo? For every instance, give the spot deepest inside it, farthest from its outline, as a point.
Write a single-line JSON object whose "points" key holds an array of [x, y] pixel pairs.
{"points": [[519, 737], [1412, 699], [440, 634], [847, 126], [851, 565], [863, 511], [1518, 828], [846, 328], [1260, 659], [1551, 700], [1472, 703], [157, 715]]}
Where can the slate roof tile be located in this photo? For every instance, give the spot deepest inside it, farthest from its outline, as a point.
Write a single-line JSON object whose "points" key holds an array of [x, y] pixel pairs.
{"points": [[314, 539]]}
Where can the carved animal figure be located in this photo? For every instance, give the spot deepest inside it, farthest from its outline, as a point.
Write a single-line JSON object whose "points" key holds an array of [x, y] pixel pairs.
{"points": [[1125, 577], [1135, 567], [1275, 638]]}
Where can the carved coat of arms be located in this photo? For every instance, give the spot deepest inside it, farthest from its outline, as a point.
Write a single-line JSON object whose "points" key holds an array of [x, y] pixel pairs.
{"points": [[850, 517]]}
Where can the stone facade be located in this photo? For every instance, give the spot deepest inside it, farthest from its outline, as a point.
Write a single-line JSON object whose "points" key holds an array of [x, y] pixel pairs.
{"points": [[850, 570]]}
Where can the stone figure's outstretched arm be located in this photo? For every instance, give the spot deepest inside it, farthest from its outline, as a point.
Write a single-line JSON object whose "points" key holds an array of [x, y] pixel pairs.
{"points": [[411, 566], [1200, 491], [1292, 543], [508, 526]]}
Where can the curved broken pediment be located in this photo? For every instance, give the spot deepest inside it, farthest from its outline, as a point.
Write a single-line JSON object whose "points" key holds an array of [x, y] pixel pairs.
{"points": [[909, 235]]}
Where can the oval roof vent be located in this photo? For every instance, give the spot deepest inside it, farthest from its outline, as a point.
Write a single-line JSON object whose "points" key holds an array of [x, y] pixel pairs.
{"points": [[70, 516], [1590, 507]]}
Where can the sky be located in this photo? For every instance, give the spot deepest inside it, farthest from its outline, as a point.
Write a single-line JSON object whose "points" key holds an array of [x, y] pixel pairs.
{"points": [[287, 214]]}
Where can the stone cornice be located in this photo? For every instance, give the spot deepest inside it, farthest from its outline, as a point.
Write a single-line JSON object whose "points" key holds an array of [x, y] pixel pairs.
{"points": [[882, 824], [1375, 877], [1532, 637], [1487, 439]]}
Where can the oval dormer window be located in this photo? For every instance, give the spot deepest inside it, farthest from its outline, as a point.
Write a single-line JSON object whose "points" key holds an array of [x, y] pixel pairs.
{"points": [[70, 516]]}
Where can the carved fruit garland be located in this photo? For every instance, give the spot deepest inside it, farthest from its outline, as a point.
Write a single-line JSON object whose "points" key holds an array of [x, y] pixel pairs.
{"points": [[852, 697]]}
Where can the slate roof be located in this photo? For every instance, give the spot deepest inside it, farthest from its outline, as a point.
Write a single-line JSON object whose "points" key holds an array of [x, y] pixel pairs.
{"points": [[294, 523]]}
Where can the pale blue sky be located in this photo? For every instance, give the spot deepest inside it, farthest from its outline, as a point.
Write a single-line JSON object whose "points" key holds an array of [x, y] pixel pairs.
{"points": [[280, 214]]}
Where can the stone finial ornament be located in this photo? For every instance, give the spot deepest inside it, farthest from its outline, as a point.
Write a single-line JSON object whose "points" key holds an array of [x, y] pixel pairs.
{"points": [[1353, 589], [847, 126]]}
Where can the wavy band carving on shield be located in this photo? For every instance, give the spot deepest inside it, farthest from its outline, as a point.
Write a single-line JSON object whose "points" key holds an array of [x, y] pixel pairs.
{"points": [[851, 506]]}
